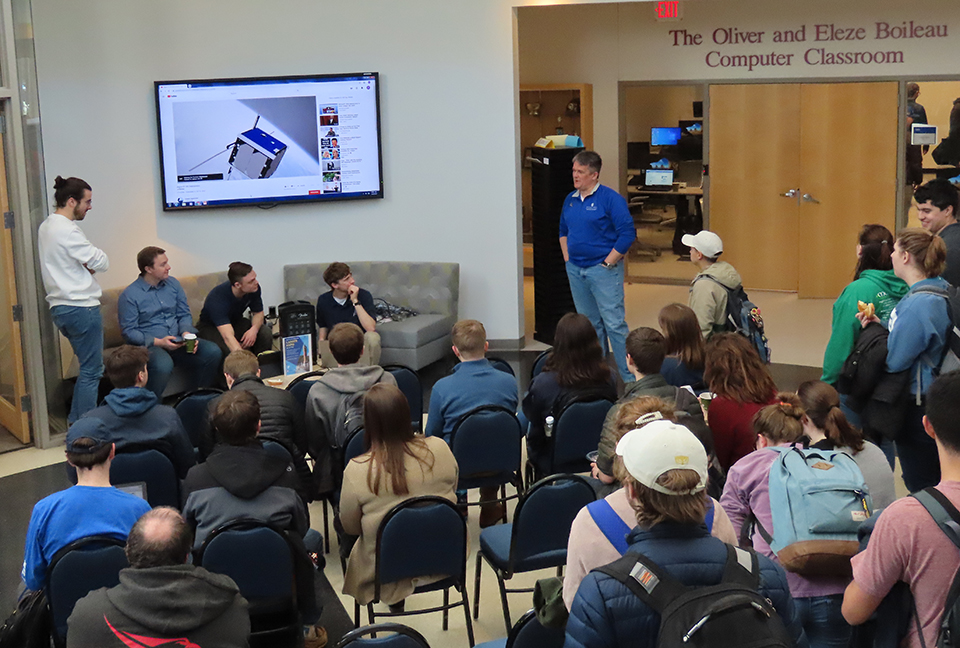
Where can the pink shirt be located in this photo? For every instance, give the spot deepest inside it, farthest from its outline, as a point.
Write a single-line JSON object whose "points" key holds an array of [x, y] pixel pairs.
{"points": [[907, 545]]}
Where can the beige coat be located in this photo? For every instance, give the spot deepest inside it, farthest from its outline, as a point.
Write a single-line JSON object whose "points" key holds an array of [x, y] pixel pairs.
{"points": [[708, 299], [361, 512]]}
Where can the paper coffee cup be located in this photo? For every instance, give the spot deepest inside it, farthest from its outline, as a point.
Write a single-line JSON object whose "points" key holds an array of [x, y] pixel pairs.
{"points": [[705, 399], [190, 341]]}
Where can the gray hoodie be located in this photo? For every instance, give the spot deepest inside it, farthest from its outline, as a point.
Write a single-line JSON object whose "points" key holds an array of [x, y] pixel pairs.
{"points": [[177, 602], [322, 404], [708, 298]]}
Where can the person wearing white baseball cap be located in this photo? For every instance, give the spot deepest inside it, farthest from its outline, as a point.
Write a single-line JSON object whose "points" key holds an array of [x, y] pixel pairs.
{"points": [[708, 299], [666, 476]]}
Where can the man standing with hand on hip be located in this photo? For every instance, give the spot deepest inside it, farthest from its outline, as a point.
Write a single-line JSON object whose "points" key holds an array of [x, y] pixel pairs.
{"points": [[596, 231], [68, 263]]}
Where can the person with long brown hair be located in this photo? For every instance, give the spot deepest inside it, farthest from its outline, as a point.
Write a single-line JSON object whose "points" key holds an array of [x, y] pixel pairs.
{"points": [[918, 327], [576, 366], [874, 282], [396, 466], [685, 347], [746, 496], [826, 428], [741, 384]]}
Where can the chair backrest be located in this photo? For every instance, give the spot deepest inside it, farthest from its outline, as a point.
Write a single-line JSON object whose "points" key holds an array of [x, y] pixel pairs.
{"points": [[408, 380], [355, 446], [300, 387], [501, 364], [79, 568], [529, 633], [152, 467], [257, 557], [487, 440], [539, 363], [421, 536], [192, 409], [402, 637], [576, 432], [542, 520]]}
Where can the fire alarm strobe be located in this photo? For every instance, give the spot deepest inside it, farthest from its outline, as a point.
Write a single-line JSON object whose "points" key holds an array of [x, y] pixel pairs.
{"points": [[256, 154]]}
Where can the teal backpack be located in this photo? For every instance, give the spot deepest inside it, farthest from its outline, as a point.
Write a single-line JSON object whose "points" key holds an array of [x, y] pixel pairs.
{"points": [[818, 498]]}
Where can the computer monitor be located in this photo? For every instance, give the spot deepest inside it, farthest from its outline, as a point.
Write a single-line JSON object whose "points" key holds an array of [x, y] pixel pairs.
{"points": [[698, 109], [664, 136], [658, 177]]}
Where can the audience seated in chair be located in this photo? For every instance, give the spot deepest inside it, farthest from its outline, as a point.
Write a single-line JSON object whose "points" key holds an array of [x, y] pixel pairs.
{"points": [[334, 399], [590, 544], [160, 596], [92, 507], [132, 415], [474, 382], [397, 466]]}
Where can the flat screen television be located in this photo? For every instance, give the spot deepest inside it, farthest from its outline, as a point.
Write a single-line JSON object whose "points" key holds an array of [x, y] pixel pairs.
{"points": [[269, 140], [664, 136]]}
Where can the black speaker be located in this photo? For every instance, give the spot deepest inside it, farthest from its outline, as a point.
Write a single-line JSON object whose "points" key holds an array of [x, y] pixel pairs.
{"points": [[298, 318]]}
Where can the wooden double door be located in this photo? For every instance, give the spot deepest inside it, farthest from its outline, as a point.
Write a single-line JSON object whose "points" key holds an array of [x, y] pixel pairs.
{"points": [[795, 171]]}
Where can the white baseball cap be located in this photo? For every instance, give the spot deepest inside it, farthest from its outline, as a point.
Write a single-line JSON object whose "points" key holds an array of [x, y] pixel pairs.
{"points": [[705, 242], [660, 446]]}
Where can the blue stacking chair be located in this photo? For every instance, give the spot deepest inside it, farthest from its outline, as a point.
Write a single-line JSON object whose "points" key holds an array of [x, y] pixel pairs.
{"points": [[408, 381], [76, 570], [260, 561], [192, 409], [537, 537], [300, 386], [486, 443], [423, 536], [501, 364], [539, 363], [402, 637], [154, 469], [576, 432], [528, 633]]}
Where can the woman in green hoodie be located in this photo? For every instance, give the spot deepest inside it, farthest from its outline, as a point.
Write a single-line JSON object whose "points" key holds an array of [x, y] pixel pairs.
{"points": [[874, 282]]}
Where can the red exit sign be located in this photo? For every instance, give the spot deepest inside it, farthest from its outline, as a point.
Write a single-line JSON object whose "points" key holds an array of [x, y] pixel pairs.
{"points": [[668, 10]]}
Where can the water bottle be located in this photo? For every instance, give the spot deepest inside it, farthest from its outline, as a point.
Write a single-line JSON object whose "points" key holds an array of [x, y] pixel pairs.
{"points": [[548, 426]]}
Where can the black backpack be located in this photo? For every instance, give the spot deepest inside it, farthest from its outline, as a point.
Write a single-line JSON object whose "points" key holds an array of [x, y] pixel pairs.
{"points": [[864, 367], [730, 614], [948, 519], [743, 317]]}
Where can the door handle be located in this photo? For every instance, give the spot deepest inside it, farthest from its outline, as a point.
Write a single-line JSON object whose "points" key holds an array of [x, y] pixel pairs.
{"points": [[791, 193], [809, 198]]}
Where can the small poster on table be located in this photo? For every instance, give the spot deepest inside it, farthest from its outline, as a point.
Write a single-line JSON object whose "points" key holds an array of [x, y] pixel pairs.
{"points": [[297, 354]]}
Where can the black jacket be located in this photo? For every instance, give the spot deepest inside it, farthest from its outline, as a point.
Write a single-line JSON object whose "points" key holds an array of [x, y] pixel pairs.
{"points": [[180, 602]]}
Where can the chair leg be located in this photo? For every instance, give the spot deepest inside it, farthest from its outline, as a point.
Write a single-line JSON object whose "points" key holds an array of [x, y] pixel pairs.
{"points": [[503, 600], [476, 590], [370, 617], [326, 528], [446, 610], [559, 571], [356, 613], [466, 613], [503, 496]]}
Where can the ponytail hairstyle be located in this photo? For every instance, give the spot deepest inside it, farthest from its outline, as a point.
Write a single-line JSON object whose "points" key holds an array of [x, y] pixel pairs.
{"points": [[928, 250], [782, 421], [821, 402], [64, 190], [876, 246]]}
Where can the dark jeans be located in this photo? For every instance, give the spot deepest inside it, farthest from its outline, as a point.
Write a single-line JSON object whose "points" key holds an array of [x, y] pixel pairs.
{"points": [[202, 365], [822, 622], [264, 336], [919, 460]]}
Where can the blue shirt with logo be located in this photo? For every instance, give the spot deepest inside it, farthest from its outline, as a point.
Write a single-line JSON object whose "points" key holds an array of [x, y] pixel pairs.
{"points": [[595, 225]]}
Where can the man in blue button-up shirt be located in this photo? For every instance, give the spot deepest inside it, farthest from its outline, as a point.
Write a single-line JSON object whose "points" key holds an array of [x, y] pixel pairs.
{"points": [[596, 231], [154, 313]]}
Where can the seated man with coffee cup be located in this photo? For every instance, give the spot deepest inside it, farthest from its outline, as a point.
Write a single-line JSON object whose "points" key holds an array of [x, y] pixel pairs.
{"points": [[154, 313]]}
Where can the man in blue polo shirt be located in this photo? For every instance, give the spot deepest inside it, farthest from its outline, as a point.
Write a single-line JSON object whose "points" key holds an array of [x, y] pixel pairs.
{"points": [[596, 231], [221, 318], [154, 313], [346, 302]]}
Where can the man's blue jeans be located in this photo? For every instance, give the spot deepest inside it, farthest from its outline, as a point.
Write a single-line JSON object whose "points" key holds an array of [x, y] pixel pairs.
{"points": [[598, 294], [83, 327], [202, 366], [822, 621]]}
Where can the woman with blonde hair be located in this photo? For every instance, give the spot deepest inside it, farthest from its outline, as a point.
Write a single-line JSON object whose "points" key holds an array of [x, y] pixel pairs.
{"points": [[919, 327], [746, 496], [685, 347], [396, 466]]}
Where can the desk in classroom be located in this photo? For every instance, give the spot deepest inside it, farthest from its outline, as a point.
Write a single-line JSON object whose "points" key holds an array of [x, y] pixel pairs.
{"points": [[689, 221]]}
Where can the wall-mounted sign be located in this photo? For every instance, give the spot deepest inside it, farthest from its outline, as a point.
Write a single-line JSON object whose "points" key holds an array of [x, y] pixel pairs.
{"points": [[668, 10]]}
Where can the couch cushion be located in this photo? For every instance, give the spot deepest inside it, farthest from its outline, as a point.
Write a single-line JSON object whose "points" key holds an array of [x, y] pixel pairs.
{"points": [[415, 331]]}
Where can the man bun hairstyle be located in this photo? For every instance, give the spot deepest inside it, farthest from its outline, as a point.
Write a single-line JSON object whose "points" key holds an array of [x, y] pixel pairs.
{"points": [[237, 271], [928, 250], [147, 256], [346, 342], [64, 190]]}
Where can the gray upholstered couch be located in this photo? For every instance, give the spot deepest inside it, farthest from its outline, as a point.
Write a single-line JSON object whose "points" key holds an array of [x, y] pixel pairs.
{"points": [[431, 289]]}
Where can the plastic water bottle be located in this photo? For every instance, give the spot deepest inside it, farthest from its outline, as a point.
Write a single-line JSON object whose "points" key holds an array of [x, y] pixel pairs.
{"points": [[548, 426]]}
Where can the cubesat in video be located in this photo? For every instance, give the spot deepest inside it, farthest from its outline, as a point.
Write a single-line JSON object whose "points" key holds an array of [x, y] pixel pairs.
{"points": [[256, 154]]}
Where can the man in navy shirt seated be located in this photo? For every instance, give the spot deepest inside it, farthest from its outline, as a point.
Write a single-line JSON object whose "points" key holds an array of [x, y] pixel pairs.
{"points": [[154, 313], [221, 318], [346, 302]]}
